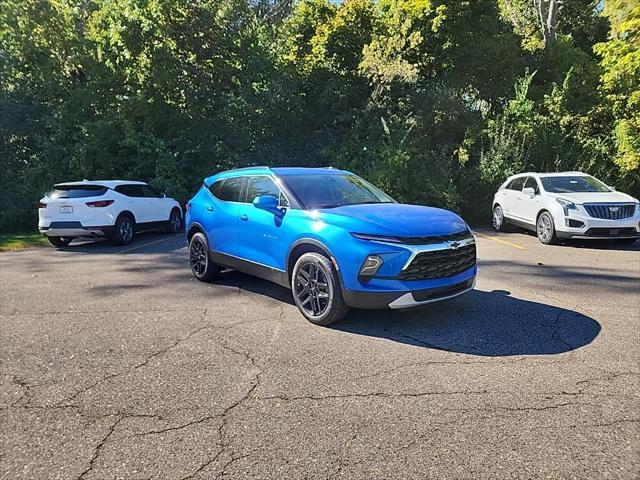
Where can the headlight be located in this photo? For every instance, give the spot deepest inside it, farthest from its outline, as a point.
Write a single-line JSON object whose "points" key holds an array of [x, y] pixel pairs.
{"points": [[566, 205], [369, 268]]}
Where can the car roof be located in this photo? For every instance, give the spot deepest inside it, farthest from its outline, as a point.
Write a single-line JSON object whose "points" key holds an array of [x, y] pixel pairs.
{"points": [[278, 171], [102, 183], [548, 174]]}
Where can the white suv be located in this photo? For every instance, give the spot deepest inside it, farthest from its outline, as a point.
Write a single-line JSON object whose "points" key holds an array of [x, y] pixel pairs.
{"points": [[114, 209], [566, 205]]}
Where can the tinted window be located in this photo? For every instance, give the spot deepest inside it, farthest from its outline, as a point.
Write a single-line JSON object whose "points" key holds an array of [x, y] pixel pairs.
{"points": [[130, 190], [231, 190], [334, 190], [571, 184], [76, 191], [516, 183], [147, 191], [532, 183], [263, 185], [215, 188]]}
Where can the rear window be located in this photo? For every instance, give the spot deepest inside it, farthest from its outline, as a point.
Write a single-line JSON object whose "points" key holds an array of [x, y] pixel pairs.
{"points": [[76, 191]]}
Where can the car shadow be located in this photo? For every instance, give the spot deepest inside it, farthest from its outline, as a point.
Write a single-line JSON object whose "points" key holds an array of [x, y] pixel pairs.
{"points": [[480, 323], [143, 242], [587, 244]]}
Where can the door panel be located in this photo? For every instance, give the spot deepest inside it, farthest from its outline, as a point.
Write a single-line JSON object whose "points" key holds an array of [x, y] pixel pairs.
{"points": [[530, 205], [260, 231], [222, 215], [510, 196]]}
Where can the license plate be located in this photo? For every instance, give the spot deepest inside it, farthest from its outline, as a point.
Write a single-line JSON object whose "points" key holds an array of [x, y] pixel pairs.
{"points": [[66, 209], [614, 232]]}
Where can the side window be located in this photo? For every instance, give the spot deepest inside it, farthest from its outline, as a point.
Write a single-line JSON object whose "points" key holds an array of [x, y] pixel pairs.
{"points": [[516, 183], [532, 183], [231, 190], [215, 188], [263, 185], [149, 192], [129, 190]]}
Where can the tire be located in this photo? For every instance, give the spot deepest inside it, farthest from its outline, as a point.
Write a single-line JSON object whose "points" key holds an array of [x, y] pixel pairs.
{"points": [[59, 242], [175, 221], [199, 259], [545, 229], [625, 241], [124, 230], [316, 290], [497, 219]]}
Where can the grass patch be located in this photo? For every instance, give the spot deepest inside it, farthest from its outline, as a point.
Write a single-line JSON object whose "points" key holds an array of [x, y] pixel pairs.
{"points": [[17, 241]]}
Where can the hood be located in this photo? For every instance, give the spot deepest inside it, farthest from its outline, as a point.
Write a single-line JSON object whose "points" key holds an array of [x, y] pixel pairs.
{"points": [[595, 197], [395, 219]]}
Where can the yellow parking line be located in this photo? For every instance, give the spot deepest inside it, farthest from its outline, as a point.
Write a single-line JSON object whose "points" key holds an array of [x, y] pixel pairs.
{"points": [[496, 239]]}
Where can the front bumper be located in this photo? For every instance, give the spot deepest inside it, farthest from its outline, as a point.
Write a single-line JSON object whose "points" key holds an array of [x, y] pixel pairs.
{"points": [[75, 229], [399, 300], [597, 228]]}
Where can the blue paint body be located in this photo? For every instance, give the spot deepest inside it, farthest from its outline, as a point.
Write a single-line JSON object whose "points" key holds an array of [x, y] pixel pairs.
{"points": [[267, 238]]}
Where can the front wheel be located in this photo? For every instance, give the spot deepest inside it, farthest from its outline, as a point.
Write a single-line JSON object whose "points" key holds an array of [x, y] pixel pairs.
{"points": [[201, 265], [546, 229], [59, 242], [316, 290], [175, 221]]}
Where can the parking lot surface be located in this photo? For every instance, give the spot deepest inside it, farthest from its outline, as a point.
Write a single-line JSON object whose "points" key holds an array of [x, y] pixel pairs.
{"points": [[116, 363]]}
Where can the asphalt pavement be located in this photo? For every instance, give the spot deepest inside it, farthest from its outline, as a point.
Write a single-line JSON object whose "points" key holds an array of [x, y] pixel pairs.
{"points": [[116, 364]]}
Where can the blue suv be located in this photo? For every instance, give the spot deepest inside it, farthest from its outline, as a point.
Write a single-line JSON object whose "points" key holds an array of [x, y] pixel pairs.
{"points": [[331, 237]]}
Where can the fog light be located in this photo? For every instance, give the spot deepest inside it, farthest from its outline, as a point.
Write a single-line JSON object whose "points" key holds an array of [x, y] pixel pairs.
{"points": [[369, 268], [570, 222]]}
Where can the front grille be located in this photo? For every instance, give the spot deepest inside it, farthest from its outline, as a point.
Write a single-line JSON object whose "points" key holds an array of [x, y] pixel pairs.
{"points": [[430, 240], [610, 211], [440, 263], [610, 232]]}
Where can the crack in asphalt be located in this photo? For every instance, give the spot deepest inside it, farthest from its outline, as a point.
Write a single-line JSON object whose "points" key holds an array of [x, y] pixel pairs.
{"points": [[139, 365], [370, 395], [26, 390]]}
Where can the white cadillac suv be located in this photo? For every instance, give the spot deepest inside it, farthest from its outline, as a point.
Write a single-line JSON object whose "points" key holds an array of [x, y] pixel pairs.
{"points": [[115, 209], [566, 205]]}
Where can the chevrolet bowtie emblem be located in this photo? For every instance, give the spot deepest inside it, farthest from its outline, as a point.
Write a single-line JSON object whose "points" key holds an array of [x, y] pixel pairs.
{"points": [[454, 245]]}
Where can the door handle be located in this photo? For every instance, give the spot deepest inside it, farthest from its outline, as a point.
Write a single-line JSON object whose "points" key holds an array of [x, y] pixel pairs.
{"points": [[209, 208], [244, 217]]}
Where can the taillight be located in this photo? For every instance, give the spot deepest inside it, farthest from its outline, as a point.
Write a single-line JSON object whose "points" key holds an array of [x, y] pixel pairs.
{"points": [[188, 206], [42, 205], [99, 203]]}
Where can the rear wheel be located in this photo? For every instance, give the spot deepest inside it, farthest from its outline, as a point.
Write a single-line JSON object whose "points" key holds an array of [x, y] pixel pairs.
{"points": [[201, 265], [546, 229], [316, 289], [124, 230], [175, 221], [59, 242], [497, 219]]}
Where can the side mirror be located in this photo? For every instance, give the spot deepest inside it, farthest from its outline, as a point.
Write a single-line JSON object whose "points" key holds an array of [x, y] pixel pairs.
{"points": [[266, 202], [613, 189], [529, 191]]}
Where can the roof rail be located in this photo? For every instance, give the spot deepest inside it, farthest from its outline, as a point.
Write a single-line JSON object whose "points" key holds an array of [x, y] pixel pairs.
{"points": [[250, 168]]}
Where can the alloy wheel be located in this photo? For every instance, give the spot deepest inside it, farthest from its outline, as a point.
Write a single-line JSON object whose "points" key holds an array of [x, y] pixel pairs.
{"points": [[497, 218], [198, 257], [175, 221], [312, 289], [126, 230], [545, 230]]}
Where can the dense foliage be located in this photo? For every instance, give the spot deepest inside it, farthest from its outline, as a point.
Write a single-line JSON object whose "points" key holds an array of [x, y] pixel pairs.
{"points": [[436, 101]]}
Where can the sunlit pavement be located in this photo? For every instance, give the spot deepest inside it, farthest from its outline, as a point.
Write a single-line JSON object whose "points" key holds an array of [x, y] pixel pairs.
{"points": [[116, 363]]}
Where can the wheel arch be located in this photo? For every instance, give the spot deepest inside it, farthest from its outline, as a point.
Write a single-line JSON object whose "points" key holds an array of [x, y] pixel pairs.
{"points": [[193, 229], [307, 245], [127, 213]]}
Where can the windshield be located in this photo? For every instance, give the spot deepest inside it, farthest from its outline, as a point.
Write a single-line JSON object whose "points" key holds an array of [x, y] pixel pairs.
{"points": [[334, 190], [573, 184]]}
